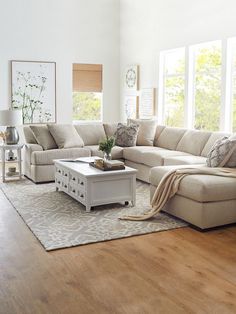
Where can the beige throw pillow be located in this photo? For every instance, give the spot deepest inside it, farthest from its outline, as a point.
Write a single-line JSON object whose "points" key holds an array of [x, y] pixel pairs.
{"points": [[43, 136], [110, 129], [65, 135], [222, 153], [91, 133], [147, 131]]}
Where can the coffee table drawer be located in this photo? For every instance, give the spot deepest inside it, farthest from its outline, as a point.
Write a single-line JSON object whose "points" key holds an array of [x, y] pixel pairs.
{"points": [[76, 180]]}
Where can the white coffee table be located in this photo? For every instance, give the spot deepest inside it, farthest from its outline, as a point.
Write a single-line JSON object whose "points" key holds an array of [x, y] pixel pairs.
{"points": [[93, 187]]}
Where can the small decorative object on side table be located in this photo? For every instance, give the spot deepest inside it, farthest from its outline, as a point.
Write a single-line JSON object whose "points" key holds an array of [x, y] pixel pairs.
{"points": [[106, 146], [12, 170]]}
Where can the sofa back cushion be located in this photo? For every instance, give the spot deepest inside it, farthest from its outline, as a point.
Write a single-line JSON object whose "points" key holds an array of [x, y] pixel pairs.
{"points": [[65, 135], [193, 142], [211, 141], [170, 137], [159, 129], [146, 132], [43, 136], [29, 135], [110, 128], [92, 133]]}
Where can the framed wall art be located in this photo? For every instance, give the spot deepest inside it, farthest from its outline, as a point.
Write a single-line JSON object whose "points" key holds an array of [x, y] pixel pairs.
{"points": [[132, 78], [131, 106], [33, 90], [147, 103]]}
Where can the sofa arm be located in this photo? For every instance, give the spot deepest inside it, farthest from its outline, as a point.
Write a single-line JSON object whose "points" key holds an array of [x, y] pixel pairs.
{"points": [[28, 150]]}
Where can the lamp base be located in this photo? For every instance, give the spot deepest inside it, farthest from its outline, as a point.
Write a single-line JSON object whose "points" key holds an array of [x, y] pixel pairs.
{"points": [[12, 137]]}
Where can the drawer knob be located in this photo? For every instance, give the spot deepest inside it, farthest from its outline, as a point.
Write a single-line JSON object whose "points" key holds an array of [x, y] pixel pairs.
{"points": [[82, 195], [65, 174], [73, 179], [65, 186], [73, 191], [82, 183]]}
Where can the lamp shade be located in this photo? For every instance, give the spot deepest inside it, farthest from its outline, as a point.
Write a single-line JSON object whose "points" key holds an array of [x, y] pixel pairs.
{"points": [[10, 117]]}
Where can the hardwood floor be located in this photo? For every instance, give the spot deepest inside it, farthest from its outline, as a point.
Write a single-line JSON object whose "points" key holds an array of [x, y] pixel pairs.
{"points": [[178, 271]]}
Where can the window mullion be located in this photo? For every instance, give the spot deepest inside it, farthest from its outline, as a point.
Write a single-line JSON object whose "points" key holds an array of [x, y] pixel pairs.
{"points": [[190, 88], [227, 86]]}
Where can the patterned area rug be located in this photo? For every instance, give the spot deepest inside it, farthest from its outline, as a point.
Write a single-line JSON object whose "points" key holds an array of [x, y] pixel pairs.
{"points": [[58, 221]]}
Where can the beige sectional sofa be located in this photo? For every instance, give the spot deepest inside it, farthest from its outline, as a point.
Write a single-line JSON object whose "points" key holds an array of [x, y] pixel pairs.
{"points": [[205, 201]]}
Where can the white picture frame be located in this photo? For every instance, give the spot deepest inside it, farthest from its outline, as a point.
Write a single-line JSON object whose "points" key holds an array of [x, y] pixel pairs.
{"points": [[147, 103], [33, 90], [131, 106], [131, 79]]}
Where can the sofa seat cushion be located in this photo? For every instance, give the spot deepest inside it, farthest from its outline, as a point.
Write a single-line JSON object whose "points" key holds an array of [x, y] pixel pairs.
{"points": [[184, 160], [150, 156], [46, 157], [200, 188], [116, 152], [135, 154], [156, 158]]}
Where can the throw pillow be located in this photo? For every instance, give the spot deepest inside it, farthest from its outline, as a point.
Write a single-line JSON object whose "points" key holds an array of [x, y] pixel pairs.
{"points": [[43, 136], [91, 133], [221, 153], [65, 135], [126, 136], [110, 129], [147, 131], [29, 135], [231, 163]]}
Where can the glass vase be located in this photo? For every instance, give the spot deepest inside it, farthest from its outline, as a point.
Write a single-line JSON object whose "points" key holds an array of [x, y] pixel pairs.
{"points": [[107, 156]]}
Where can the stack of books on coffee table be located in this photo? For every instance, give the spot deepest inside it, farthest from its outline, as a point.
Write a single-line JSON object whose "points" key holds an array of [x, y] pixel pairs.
{"points": [[108, 165]]}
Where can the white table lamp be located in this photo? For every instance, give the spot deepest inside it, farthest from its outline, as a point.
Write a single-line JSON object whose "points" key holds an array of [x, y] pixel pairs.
{"points": [[11, 118]]}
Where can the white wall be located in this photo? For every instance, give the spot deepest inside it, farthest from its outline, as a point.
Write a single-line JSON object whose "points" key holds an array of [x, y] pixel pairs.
{"points": [[65, 31], [149, 26]]}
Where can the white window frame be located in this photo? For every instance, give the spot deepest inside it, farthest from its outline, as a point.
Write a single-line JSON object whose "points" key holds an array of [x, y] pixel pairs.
{"points": [[229, 92], [191, 81], [162, 77]]}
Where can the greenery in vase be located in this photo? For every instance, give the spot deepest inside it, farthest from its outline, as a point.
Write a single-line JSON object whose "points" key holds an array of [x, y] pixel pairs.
{"points": [[107, 144]]}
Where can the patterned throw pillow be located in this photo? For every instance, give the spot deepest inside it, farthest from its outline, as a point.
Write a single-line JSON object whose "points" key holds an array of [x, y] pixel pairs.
{"points": [[222, 153], [126, 136]]}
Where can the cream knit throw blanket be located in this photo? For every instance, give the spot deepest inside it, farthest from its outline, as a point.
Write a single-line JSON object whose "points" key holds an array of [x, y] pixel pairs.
{"points": [[169, 186]]}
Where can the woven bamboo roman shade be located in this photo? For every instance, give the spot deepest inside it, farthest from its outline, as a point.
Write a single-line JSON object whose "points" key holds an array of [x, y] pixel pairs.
{"points": [[87, 78]]}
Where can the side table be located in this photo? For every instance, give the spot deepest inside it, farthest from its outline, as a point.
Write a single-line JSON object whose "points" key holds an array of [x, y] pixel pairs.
{"points": [[18, 148]]}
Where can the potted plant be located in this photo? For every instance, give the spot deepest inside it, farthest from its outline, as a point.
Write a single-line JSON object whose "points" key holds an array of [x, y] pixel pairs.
{"points": [[106, 146]]}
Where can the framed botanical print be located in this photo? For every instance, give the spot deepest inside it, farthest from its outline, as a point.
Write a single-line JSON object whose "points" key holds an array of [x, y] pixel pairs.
{"points": [[131, 106], [33, 90], [132, 78]]}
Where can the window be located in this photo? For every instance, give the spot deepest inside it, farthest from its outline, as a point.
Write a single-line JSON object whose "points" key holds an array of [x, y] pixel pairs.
{"points": [[197, 86], [87, 92], [173, 68], [207, 85], [232, 78]]}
